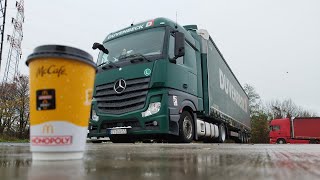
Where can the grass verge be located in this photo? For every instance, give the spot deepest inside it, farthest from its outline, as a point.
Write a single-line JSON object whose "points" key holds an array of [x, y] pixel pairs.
{"points": [[12, 139]]}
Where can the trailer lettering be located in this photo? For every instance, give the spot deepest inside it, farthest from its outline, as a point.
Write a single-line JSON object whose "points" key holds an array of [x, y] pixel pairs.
{"points": [[228, 88]]}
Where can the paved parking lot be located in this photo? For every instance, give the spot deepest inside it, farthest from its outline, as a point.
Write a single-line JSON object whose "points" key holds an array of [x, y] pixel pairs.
{"points": [[168, 161]]}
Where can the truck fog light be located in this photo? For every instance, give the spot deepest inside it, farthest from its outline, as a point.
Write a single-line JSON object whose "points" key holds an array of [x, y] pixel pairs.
{"points": [[155, 123], [94, 116], [152, 109]]}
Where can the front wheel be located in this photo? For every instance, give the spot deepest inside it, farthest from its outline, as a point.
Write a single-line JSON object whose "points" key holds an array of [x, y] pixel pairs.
{"points": [[281, 141], [186, 128]]}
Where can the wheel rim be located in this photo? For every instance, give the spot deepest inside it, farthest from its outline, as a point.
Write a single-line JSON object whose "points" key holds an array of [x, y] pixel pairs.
{"points": [[187, 127], [281, 142]]}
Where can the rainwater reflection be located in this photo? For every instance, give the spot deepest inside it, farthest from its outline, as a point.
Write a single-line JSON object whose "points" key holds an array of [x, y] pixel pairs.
{"points": [[167, 161]]}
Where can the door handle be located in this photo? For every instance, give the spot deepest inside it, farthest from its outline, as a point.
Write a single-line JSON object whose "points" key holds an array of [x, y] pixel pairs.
{"points": [[185, 86]]}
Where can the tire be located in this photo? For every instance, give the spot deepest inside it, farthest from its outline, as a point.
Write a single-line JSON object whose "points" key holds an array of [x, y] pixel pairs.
{"points": [[281, 141], [121, 139], [222, 133], [243, 138], [186, 128], [238, 139], [313, 141]]}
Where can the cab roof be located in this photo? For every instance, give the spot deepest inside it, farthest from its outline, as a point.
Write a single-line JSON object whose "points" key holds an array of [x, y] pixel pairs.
{"points": [[152, 23]]}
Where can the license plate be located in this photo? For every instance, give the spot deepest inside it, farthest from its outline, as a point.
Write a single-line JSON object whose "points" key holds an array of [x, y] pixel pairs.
{"points": [[94, 138], [118, 131]]}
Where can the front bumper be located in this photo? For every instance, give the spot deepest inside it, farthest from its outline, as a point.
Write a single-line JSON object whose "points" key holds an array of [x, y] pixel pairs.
{"points": [[146, 127], [139, 124], [273, 141]]}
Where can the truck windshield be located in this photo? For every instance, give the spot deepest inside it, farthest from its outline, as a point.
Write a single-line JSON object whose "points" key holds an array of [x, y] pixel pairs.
{"points": [[147, 43]]}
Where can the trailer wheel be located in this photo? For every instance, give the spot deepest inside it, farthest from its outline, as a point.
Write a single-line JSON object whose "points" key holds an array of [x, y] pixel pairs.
{"points": [[222, 133], [243, 138], [313, 141], [281, 141], [186, 128], [239, 138]]}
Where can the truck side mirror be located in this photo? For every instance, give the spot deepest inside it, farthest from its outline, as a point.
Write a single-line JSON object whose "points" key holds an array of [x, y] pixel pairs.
{"points": [[179, 45], [100, 47]]}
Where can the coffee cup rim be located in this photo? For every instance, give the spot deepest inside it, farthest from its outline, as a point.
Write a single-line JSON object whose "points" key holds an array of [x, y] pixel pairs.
{"points": [[61, 51]]}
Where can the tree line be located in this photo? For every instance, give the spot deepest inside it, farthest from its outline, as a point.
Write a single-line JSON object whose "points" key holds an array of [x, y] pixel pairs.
{"points": [[261, 113], [14, 108]]}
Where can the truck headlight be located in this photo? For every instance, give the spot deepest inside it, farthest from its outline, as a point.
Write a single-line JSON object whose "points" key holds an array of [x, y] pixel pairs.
{"points": [[94, 115], [152, 109]]}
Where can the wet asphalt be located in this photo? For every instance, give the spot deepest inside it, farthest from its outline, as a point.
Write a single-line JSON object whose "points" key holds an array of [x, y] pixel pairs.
{"points": [[168, 161]]}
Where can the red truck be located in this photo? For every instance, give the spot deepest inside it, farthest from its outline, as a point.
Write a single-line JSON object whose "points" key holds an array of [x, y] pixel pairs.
{"points": [[302, 130]]}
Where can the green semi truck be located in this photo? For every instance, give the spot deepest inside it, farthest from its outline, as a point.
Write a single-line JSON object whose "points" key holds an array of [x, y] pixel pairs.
{"points": [[159, 80]]}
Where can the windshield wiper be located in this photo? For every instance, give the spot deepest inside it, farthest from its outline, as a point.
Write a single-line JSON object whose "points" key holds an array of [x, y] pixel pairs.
{"points": [[109, 63], [135, 57]]}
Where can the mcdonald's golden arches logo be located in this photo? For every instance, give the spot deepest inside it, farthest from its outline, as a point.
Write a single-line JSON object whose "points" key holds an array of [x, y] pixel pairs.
{"points": [[45, 93], [47, 129]]}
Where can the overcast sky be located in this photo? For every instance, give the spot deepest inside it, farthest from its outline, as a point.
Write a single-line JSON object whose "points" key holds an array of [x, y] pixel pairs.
{"points": [[273, 45]]}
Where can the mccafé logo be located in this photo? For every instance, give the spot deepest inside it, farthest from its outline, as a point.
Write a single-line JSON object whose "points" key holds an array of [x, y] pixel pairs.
{"points": [[47, 129], [52, 69]]}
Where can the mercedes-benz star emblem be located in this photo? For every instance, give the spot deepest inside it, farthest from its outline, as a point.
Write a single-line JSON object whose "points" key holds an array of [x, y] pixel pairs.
{"points": [[119, 86]]}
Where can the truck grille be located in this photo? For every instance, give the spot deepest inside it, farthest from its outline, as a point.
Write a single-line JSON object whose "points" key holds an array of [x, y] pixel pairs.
{"points": [[131, 99]]}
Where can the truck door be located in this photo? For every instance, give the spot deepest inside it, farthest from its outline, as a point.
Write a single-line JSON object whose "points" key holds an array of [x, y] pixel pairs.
{"points": [[282, 131], [185, 68], [276, 130]]}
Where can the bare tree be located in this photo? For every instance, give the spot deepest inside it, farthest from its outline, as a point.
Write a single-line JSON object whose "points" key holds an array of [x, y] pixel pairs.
{"points": [[285, 109], [7, 110], [254, 99], [14, 108], [22, 106]]}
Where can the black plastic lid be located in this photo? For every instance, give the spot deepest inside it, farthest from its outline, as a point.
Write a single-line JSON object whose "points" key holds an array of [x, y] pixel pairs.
{"points": [[60, 51]]}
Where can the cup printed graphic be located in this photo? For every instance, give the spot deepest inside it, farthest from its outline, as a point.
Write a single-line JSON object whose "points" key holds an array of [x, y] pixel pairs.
{"points": [[61, 85], [47, 129], [46, 99], [49, 139]]}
